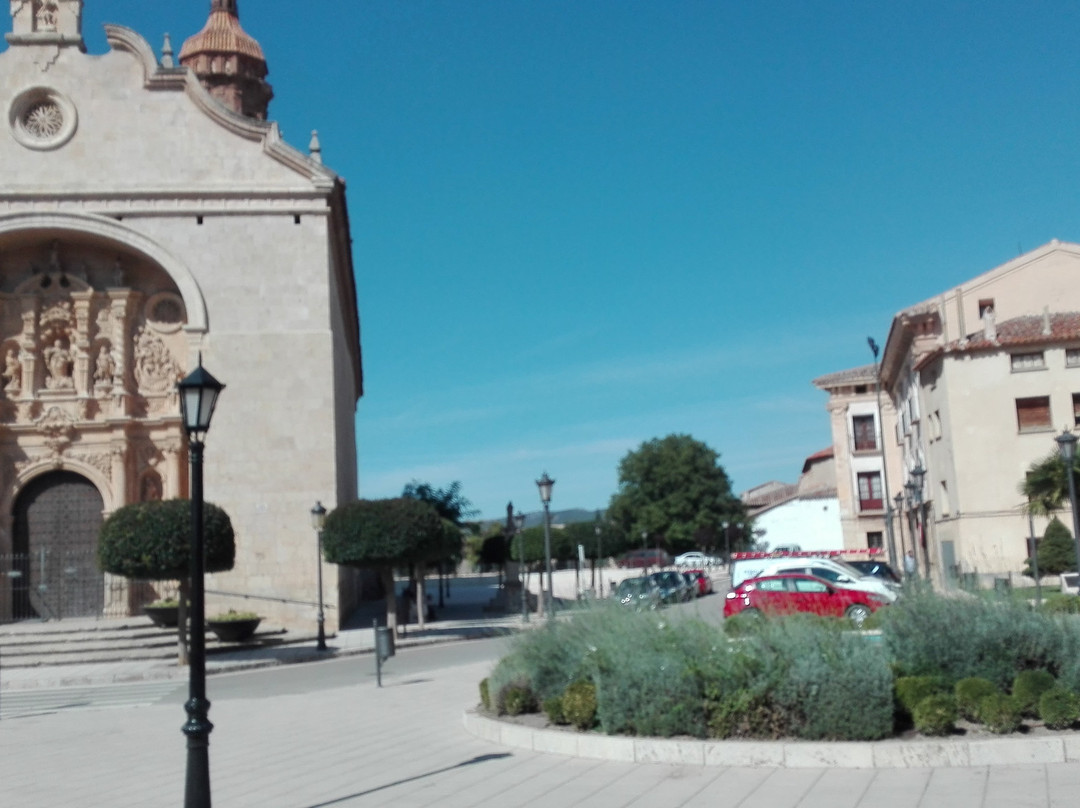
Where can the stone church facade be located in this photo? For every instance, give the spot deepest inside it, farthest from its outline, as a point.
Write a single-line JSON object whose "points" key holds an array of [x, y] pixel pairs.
{"points": [[150, 216]]}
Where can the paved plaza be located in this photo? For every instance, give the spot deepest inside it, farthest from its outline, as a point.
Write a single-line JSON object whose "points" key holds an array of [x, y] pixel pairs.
{"points": [[405, 744]]}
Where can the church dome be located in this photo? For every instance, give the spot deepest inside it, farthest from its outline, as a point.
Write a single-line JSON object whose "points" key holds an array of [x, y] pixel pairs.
{"points": [[229, 63], [222, 34]]}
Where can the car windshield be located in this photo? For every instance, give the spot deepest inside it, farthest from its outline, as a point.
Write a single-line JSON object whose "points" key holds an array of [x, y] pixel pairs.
{"points": [[632, 586]]}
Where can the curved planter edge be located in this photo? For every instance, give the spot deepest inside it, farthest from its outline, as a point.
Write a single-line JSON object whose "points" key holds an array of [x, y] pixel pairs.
{"points": [[887, 754]]}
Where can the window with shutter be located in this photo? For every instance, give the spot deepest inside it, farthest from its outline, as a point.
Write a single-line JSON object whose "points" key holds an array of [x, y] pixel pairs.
{"points": [[1033, 414]]}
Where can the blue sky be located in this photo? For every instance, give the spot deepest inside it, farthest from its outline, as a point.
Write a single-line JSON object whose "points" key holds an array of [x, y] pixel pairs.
{"points": [[582, 224]]}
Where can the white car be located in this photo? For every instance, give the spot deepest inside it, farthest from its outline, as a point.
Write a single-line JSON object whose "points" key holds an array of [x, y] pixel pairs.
{"points": [[829, 569], [694, 559]]}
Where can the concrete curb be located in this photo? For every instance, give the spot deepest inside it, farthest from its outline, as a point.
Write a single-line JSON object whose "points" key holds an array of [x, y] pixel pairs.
{"points": [[888, 754]]}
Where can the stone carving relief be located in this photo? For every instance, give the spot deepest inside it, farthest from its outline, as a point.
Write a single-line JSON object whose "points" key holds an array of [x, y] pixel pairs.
{"points": [[104, 367], [156, 371], [46, 15], [12, 372], [58, 428], [59, 364]]}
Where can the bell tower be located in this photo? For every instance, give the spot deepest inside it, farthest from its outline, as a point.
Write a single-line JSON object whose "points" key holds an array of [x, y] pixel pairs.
{"points": [[229, 63], [47, 22]]}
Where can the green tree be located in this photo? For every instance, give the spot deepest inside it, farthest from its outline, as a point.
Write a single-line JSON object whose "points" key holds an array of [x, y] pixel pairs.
{"points": [[383, 534], [454, 509], [1057, 552], [1046, 485], [152, 541], [674, 489]]}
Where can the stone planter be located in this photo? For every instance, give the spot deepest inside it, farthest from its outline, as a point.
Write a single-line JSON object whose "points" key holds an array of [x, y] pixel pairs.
{"points": [[163, 616], [234, 630]]}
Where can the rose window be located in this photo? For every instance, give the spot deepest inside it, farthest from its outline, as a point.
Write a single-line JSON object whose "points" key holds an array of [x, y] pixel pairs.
{"points": [[44, 120]]}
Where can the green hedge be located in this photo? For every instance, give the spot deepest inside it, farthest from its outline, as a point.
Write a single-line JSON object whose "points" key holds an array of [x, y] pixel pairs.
{"points": [[152, 540]]}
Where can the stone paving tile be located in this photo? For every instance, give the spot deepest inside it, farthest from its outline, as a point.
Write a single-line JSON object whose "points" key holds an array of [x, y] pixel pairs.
{"points": [[1016, 787], [956, 788], [838, 788]]}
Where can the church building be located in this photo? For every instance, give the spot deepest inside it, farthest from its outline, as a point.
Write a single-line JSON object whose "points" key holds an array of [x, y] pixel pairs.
{"points": [[151, 215]]}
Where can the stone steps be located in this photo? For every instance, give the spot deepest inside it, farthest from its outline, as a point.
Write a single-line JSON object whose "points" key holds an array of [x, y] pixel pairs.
{"points": [[78, 642]]}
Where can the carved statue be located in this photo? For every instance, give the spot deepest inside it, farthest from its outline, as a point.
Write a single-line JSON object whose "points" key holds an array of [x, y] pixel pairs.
{"points": [[106, 367], [58, 361], [12, 372]]}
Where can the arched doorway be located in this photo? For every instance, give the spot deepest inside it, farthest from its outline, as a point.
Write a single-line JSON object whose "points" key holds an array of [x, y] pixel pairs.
{"points": [[55, 529]]}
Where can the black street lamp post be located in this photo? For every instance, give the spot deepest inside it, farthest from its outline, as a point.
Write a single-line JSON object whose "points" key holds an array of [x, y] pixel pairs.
{"points": [[544, 484], [318, 521], [599, 532], [1067, 443], [919, 539], [198, 396], [519, 528]]}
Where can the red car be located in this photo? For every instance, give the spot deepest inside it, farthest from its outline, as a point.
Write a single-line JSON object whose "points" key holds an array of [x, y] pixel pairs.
{"points": [[792, 592]]}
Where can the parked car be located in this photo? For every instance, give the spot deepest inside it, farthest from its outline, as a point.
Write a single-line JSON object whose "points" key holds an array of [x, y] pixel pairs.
{"points": [[638, 593], [830, 569], [691, 583], [794, 592], [702, 581], [673, 587], [878, 568], [695, 559], [644, 558]]}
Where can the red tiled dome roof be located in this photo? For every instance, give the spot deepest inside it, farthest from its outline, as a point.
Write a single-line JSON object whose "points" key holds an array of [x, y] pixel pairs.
{"points": [[222, 34]]}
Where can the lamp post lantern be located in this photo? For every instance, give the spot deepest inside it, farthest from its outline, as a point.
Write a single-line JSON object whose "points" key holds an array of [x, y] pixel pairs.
{"points": [[318, 521], [898, 510], [544, 484], [1066, 441], [199, 392]]}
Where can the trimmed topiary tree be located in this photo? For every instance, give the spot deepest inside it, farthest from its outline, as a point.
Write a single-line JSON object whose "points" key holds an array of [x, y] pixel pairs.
{"points": [[383, 534], [1027, 689], [1000, 713], [152, 541], [935, 715], [1059, 708], [579, 704], [969, 692], [1056, 553]]}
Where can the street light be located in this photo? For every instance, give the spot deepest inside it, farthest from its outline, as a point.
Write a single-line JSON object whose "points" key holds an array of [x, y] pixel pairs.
{"points": [[519, 527], [899, 509], [919, 540], [198, 396], [599, 532], [884, 461], [318, 521], [727, 543], [1066, 441], [544, 484]]}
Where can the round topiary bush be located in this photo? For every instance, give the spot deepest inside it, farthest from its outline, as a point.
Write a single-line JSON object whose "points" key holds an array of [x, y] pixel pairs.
{"points": [[152, 540], [969, 692], [935, 715], [910, 690], [579, 704], [1059, 708], [553, 710], [1028, 687], [515, 699], [1000, 713]]}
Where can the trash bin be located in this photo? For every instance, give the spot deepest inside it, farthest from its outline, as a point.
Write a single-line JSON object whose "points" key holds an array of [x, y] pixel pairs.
{"points": [[384, 642]]}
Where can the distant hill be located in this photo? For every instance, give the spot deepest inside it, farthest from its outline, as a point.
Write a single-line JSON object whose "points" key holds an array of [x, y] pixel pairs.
{"points": [[567, 517]]}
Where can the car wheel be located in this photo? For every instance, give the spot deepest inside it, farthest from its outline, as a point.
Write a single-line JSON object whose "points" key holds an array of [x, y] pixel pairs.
{"points": [[858, 613]]}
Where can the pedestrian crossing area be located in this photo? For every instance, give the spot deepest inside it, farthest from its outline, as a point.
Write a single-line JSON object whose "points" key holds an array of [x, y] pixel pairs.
{"points": [[20, 703]]}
